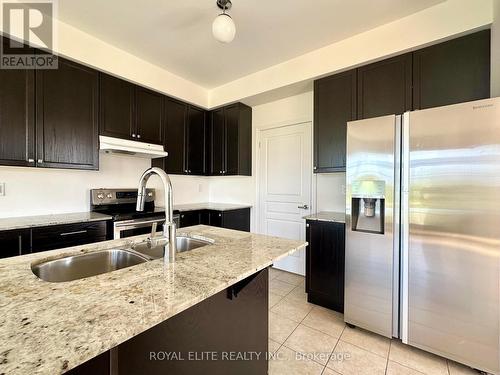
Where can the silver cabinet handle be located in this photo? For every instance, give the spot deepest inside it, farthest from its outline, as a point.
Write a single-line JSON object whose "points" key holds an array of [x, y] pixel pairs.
{"points": [[40, 160], [304, 207], [185, 171], [133, 135], [189, 171], [138, 136], [315, 167], [72, 233], [31, 160]]}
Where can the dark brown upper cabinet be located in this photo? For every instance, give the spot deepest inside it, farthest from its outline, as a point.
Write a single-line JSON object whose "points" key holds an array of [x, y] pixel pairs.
{"points": [[67, 117], [149, 115], [384, 87], [452, 72], [230, 141], [116, 107], [17, 117], [195, 142], [185, 134], [130, 112], [334, 106], [174, 137]]}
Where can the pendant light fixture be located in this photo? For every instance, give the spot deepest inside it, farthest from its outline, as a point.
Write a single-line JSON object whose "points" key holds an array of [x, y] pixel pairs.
{"points": [[223, 27]]}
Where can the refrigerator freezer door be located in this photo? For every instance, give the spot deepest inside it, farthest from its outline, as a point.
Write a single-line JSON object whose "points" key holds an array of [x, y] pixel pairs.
{"points": [[370, 174], [454, 232]]}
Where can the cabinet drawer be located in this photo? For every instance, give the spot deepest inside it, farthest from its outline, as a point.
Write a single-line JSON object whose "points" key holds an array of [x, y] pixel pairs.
{"points": [[14, 242], [60, 236]]}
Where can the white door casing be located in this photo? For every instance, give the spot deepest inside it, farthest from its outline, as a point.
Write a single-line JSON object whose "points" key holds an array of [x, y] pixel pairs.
{"points": [[285, 178]]}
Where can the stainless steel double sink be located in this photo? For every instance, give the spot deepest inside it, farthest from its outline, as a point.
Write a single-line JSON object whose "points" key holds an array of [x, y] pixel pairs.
{"points": [[91, 264]]}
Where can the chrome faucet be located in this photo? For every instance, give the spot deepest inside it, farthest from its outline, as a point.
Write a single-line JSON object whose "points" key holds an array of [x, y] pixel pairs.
{"points": [[169, 225]]}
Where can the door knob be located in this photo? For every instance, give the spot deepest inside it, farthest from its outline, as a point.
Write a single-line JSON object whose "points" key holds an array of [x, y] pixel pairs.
{"points": [[304, 207]]}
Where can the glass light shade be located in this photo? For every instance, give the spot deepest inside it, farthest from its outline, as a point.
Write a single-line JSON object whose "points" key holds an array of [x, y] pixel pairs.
{"points": [[224, 28]]}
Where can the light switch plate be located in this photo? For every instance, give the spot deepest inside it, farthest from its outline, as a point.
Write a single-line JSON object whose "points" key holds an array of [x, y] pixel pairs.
{"points": [[2, 189]]}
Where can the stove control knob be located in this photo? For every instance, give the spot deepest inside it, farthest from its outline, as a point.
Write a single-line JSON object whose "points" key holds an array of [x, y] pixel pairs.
{"points": [[100, 195], [109, 196]]}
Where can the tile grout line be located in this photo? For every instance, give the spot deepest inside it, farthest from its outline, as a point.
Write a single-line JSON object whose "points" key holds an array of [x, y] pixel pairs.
{"points": [[388, 356]]}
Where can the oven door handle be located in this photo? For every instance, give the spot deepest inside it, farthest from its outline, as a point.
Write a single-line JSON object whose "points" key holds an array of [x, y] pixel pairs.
{"points": [[136, 224]]}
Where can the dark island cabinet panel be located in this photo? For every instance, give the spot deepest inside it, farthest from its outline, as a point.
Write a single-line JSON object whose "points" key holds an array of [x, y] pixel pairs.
{"points": [[195, 147], [149, 116], [17, 120], [452, 72], [334, 105], [116, 107], [67, 117], [14, 242], [385, 87], [325, 264]]}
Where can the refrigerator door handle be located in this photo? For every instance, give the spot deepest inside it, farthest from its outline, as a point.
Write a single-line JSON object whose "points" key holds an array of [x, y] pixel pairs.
{"points": [[396, 323], [405, 180]]}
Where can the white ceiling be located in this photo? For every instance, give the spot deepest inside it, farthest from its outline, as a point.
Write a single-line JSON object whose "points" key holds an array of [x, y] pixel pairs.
{"points": [[176, 35]]}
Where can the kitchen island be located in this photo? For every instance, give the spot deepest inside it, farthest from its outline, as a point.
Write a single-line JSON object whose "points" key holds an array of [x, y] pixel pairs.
{"points": [[51, 328]]}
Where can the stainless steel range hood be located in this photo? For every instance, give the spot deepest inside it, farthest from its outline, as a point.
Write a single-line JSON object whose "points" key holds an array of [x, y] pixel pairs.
{"points": [[134, 148]]}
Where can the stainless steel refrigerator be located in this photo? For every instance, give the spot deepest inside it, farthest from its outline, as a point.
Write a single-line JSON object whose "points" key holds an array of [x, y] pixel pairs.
{"points": [[423, 230]]}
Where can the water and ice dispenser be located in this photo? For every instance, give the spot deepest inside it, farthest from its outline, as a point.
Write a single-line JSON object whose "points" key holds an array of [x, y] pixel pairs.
{"points": [[368, 206]]}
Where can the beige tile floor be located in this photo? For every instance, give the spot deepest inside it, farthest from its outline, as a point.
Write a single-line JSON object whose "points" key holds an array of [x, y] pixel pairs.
{"points": [[308, 339]]}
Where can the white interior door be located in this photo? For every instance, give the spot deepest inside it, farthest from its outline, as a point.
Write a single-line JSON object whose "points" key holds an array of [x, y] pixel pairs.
{"points": [[285, 175]]}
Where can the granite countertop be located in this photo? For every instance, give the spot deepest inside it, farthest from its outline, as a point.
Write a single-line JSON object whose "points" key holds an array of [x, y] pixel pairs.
{"points": [[49, 328], [210, 206], [337, 217], [47, 220]]}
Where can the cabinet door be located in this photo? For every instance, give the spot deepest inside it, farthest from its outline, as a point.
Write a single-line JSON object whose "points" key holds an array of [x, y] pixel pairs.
{"points": [[326, 263], [189, 218], [385, 87], [14, 242], [60, 236], [232, 140], [66, 122], [195, 142], [149, 115], [237, 219], [217, 143], [17, 116], [116, 107], [216, 218], [334, 106], [452, 72], [175, 114]]}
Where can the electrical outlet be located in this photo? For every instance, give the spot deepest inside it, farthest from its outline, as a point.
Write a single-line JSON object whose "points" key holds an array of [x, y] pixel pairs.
{"points": [[2, 189]]}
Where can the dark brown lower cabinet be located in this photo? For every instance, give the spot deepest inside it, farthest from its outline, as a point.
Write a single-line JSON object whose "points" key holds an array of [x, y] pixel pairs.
{"points": [[325, 264], [60, 236], [232, 321], [14, 242], [238, 219]]}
